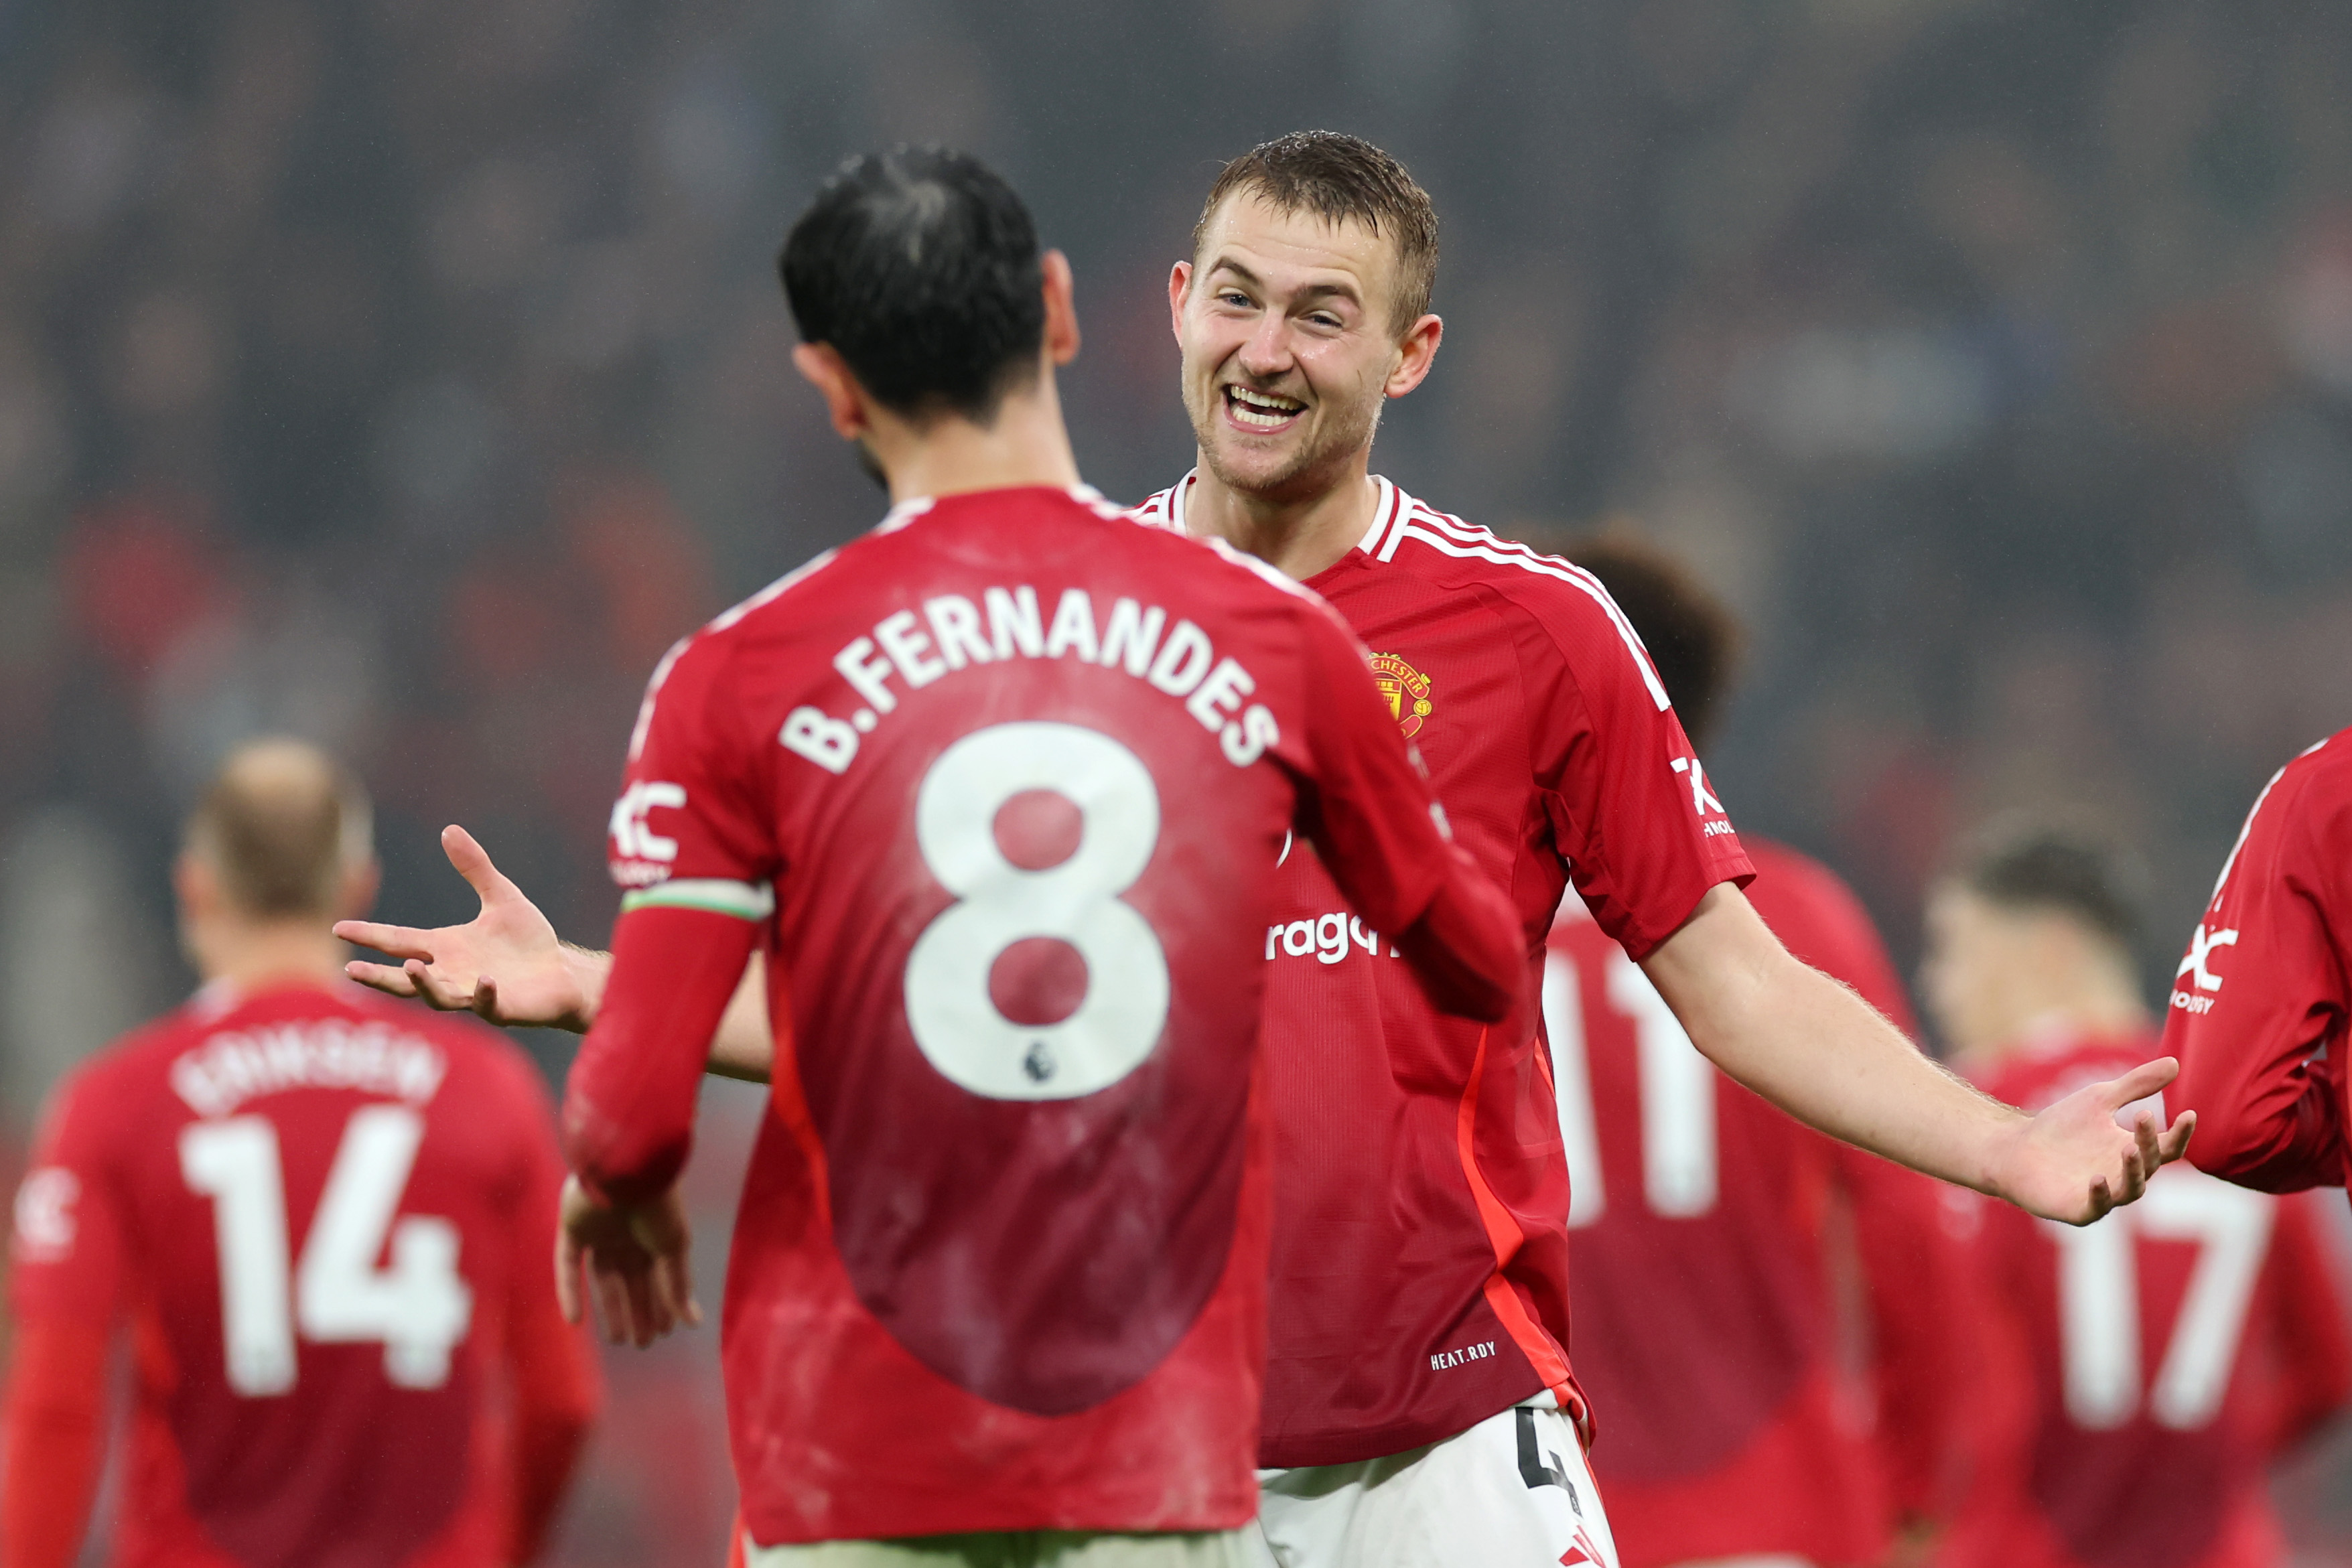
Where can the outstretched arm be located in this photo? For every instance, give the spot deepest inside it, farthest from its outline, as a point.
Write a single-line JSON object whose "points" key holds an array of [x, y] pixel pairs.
{"points": [[1817, 1050], [507, 966]]}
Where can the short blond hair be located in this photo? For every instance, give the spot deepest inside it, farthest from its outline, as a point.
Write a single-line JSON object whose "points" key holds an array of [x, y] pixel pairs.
{"points": [[1340, 179], [281, 823]]}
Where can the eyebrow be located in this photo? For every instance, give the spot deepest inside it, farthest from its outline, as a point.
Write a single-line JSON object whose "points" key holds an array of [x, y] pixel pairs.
{"points": [[1342, 290]]}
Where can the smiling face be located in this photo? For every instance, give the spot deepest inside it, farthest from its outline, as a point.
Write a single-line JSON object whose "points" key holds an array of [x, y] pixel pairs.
{"points": [[1290, 344]]}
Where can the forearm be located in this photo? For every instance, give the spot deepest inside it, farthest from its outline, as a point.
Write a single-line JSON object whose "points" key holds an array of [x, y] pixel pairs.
{"points": [[1817, 1050], [628, 1114], [742, 1048], [1466, 947]]}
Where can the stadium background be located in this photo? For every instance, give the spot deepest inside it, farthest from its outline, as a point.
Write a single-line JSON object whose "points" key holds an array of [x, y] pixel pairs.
{"points": [[407, 373]]}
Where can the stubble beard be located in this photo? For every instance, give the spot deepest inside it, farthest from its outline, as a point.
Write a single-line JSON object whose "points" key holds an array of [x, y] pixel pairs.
{"points": [[1311, 467]]}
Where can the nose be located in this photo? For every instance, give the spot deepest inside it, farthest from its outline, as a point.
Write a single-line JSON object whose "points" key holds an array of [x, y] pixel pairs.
{"points": [[1266, 352]]}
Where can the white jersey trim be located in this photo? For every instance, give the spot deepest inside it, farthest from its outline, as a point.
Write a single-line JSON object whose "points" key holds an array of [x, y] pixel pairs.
{"points": [[2247, 828], [742, 900], [1450, 536]]}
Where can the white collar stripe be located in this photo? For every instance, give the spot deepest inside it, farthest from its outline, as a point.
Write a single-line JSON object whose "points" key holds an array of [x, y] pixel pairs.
{"points": [[1488, 549]]}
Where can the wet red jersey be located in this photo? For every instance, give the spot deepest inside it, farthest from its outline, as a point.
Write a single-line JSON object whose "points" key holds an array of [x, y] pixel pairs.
{"points": [[1710, 1234], [2258, 1010], [1003, 786], [2137, 1377], [1420, 1276], [327, 1217]]}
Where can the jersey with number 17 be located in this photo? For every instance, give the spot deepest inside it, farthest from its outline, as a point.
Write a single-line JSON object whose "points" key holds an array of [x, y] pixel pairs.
{"points": [[1005, 783]]}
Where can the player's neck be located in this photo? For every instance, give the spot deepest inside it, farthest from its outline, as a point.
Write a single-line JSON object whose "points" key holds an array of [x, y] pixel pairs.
{"points": [[1296, 535], [1026, 443], [252, 956]]}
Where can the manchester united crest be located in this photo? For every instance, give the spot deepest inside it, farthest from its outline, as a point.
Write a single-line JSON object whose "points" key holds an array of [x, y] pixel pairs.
{"points": [[1407, 690]]}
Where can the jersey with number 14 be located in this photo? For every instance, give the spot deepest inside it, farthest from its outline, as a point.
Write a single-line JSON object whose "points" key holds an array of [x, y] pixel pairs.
{"points": [[1013, 774], [326, 1218]]}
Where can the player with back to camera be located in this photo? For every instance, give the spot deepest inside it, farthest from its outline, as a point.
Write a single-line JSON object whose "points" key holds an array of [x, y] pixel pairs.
{"points": [[998, 789], [1713, 1240], [1419, 1299], [325, 1220], [2132, 1381]]}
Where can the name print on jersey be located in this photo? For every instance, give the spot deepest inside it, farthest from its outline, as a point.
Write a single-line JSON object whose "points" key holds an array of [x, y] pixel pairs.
{"points": [[964, 633]]}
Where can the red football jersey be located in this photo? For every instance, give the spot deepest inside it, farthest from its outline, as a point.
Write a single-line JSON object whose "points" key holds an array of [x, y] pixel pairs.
{"points": [[2258, 1009], [1014, 773], [1702, 1229], [328, 1219], [2137, 1376], [1420, 1276]]}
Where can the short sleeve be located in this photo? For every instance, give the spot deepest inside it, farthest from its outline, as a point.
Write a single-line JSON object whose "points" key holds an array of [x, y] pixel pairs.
{"points": [[67, 1248], [688, 829], [2258, 1004], [1635, 816]]}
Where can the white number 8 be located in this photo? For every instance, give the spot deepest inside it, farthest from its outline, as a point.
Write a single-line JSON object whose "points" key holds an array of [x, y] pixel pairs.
{"points": [[1119, 1019]]}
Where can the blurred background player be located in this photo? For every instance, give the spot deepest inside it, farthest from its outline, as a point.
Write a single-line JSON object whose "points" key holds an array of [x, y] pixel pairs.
{"points": [[998, 789], [325, 1220], [1718, 1246], [2131, 1382]]}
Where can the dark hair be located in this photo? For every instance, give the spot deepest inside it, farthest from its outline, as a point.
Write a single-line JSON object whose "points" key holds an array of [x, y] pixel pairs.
{"points": [[282, 824], [1692, 637], [2030, 862], [919, 266], [1340, 179]]}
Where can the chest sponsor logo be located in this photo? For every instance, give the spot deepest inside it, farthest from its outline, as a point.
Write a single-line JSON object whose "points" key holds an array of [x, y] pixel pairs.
{"points": [[2197, 968], [1328, 938], [1407, 690], [1484, 1350]]}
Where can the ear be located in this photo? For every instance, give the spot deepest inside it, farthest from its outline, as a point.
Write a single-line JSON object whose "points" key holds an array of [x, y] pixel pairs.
{"points": [[1180, 288], [822, 366], [1061, 308], [355, 891], [1414, 356], [196, 886]]}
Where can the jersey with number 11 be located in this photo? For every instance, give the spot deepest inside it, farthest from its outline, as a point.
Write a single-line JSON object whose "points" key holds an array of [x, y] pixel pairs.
{"points": [[1006, 782]]}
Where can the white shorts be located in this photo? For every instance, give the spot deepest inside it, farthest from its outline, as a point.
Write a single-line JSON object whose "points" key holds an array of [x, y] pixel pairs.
{"points": [[1016, 1549], [1513, 1491]]}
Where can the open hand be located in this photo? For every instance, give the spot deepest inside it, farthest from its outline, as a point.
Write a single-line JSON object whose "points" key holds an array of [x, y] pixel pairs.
{"points": [[635, 1259], [2078, 1159], [505, 964]]}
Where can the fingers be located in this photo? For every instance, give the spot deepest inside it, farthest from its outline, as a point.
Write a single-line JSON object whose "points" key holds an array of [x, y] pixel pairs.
{"points": [[2175, 1143], [382, 978], [2140, 1083], [485, 1000], [399, 940], [674, 1289], [433, 990], [612, 1302], [473, 863]]}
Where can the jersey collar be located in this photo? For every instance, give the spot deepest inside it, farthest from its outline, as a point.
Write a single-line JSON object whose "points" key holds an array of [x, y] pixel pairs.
{"points": [[914, 506], [1392, 504]]}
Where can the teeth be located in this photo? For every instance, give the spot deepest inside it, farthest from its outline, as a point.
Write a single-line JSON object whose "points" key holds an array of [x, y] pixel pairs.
{"points": [[1260, 409]]}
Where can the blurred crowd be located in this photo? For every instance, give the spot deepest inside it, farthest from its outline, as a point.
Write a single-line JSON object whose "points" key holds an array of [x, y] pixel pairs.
{"points": [[409, 373]]}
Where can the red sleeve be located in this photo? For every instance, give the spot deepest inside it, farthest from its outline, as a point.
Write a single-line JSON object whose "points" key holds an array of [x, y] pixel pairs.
{"points": [[691, 843], [1366, 808], [65, 1287], [2312, 1322], [1633, 810], [558, 1388], [2262, 990], [52, 1431]]}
